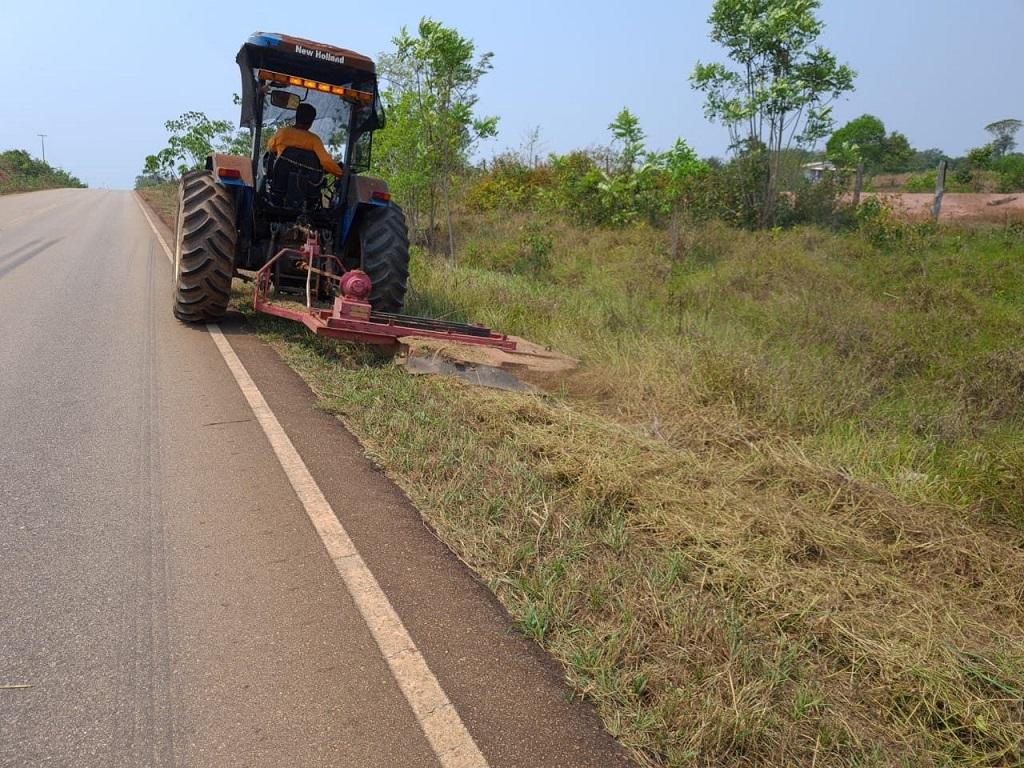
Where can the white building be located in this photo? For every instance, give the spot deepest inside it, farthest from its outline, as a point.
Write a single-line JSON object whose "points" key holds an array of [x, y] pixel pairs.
{"points": [[814, 171]]}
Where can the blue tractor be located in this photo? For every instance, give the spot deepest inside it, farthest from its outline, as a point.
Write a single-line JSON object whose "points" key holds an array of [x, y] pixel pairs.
{"points": [[239, 212]]}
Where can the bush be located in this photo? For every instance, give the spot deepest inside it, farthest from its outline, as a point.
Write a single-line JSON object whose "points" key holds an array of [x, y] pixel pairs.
{"points": [[980, 158], [921, 182], [20, 172], [508, 184], [878, 223], [730, 192], [1010, 173], [815, 203], [576, 189], [963, 178]]}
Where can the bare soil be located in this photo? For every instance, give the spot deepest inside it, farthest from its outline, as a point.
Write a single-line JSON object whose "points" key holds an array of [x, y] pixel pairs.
{"points": [[956, 206]]}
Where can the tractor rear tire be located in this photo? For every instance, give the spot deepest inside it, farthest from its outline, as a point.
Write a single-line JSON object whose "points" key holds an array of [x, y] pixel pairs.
{"points": [[384, 245], [204, 249]]}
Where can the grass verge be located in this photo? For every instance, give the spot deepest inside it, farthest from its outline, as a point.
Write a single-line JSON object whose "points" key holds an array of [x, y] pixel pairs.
{"points": [[775, 519]]}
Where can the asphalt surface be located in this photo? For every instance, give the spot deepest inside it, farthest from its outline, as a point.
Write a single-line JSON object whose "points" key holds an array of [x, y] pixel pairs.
{"points": [[164, 599]]}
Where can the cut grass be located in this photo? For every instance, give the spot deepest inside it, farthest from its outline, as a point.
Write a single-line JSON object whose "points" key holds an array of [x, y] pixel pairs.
{"points": [[776, 517], [732, 604]]}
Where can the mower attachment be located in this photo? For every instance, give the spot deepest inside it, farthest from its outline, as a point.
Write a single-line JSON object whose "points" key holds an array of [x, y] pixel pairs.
{"points": [[352, 318]]}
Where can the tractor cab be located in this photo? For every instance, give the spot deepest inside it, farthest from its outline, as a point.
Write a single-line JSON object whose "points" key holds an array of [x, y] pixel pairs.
{"points": [[278, 74]]}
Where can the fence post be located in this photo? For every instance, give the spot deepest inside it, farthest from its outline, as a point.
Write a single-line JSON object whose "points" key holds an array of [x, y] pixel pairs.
{"points": [[940, 186]]}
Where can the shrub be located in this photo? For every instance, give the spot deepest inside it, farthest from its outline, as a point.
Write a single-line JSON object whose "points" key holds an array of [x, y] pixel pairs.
{"points": [[1010, 173], [576, 189], [815, 203], [921, 182], [980, 158], [20, 172], [878, 222], [508, 184]]}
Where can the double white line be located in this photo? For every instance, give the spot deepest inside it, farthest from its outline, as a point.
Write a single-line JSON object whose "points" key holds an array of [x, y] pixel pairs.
{"points": [[435, 714]]}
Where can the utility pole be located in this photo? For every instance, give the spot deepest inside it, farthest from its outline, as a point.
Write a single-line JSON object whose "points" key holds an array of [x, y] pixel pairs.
{"points": [[42, 140]]}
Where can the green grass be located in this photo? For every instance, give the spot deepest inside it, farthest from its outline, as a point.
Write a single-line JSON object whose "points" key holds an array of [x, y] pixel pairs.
{"points": [[894, 362], [776, 517]]}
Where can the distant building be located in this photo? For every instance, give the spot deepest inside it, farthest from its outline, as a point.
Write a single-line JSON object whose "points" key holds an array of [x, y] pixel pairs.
{"points": [[816, 170]]}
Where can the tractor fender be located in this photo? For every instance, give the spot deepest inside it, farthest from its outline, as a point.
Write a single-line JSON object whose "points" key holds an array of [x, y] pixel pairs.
{"points": [[230, 170], [367, 189], [364, 193]]}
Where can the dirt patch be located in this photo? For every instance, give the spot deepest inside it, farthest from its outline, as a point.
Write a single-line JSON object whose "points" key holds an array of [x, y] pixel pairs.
{"points": [[163, 200], [956, 206]]}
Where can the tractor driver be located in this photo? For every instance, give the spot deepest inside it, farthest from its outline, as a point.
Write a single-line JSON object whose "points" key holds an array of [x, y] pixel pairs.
{"points": [[300, 137]]}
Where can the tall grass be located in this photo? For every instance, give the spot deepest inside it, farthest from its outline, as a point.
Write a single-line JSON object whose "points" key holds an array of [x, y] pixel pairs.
{"points": [[903, 363], [775, 519]]}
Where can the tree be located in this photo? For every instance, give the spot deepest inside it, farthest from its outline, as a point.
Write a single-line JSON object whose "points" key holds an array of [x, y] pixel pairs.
{"points": [[433, 76], [1003, 136], [862, 140], [629, 137], [402, 157], [925, 159], [898, 153], [782, 88], [677, 167], [1010, 173], [531, 149], [980, 158], [193, 137]]}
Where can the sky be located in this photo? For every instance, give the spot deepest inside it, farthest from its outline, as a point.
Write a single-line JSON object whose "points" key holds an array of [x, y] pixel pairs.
{"points": [[99, 78]]}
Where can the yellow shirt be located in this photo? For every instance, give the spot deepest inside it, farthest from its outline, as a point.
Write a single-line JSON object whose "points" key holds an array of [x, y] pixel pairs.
{"points": [[300, 138]]}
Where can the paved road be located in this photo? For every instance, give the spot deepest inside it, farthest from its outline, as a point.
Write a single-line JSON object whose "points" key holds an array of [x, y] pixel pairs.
{"points": [[164, 598]]}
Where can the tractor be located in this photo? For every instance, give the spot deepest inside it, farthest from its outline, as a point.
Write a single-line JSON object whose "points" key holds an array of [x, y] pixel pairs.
{"points": [[257, 213]]}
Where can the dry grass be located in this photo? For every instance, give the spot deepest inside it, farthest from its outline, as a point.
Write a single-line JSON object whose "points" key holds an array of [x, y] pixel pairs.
{"points": [[897, 363], [163, 199], [731, 603], [776, 517], [735, 526]]}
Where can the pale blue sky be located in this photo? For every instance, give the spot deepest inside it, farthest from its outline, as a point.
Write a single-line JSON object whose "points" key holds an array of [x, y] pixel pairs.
{"points": [[101, 77]]}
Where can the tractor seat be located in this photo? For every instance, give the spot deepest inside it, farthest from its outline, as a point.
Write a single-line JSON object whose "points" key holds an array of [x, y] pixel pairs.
{"points": [[295, 177]]}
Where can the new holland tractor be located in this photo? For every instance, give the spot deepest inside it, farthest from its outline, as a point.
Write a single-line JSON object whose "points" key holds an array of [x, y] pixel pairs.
{"points": [[269, 213]]}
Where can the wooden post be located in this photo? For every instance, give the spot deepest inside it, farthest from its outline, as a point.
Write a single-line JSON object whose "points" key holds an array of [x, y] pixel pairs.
{"points": [[673, 228], [940, 186], [858, 183]]}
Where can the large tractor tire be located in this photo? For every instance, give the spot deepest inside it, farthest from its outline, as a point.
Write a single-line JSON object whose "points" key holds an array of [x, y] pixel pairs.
{"points": [[384, 245], [204, 249]]}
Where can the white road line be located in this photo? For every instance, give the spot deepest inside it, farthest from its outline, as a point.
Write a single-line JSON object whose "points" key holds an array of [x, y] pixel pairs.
{"points": [[437, 717], [163, 243]]}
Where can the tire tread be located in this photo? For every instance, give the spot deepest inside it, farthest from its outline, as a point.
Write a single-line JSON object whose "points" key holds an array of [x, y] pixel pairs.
{"points": [[207, 244], [384, 242]]}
